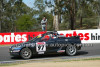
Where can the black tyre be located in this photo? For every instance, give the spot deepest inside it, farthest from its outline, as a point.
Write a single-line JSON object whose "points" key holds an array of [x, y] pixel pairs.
{"points": [[71, 50], [26, 53]]}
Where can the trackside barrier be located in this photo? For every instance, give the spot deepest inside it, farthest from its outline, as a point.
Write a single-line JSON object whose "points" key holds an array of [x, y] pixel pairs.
{"points": [[17, 37], [86, 36]]}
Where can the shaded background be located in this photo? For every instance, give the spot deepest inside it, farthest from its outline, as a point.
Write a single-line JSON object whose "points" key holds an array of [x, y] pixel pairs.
{"points": [[26, 15]]}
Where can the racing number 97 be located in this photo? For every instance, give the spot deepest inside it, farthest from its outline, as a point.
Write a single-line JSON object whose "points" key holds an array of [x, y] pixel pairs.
{"points": [[40, 47]]}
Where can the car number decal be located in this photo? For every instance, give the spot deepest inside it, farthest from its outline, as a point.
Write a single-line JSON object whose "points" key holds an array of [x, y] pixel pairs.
{"points": [[40, 46]]}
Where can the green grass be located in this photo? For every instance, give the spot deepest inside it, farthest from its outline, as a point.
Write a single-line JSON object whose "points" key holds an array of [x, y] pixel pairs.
{"points": [[11, 64], [8, 64], [89, 59]]}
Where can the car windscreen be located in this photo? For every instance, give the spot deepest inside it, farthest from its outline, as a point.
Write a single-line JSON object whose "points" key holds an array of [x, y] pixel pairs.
{"points": [[34, 39]]}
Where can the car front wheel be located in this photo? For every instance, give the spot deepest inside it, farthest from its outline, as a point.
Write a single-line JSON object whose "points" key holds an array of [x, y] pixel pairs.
{"points": [[71, 50], [26, 53]]}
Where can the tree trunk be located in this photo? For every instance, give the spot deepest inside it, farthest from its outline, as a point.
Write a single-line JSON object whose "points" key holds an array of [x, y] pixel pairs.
{"points": [[55, 23], [99, 25], [73, 15], [72, 23], [56, 18], [59, 18], [1, 10], [0, 26], [72, 18], [81, 22], [0, 20]]}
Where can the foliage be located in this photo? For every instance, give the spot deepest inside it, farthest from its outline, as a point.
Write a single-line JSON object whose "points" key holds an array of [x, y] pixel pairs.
{"points": [[16, 16], [11, 10], [75, 10], [25, 23]]}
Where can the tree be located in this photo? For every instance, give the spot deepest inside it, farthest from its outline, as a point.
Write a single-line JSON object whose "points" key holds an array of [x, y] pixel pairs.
{"points": [[56, 5], [96, 7], [88, 8], [99, 13], [69, 6], [57, 15], [84, 10], [25, 23], [41, 6], [10, 10], [1, 12], [72, 7]]}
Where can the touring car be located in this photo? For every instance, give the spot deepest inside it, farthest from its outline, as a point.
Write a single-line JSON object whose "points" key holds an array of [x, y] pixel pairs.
{"points": [[47, 43]]}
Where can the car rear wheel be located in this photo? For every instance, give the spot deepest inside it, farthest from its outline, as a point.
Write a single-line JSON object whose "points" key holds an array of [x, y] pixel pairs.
{"points": [[26, 53], [71, 50]]}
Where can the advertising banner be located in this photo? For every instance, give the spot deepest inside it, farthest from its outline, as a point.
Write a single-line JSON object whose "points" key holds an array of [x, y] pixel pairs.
{"points": [[86, 36], [17, 37]]}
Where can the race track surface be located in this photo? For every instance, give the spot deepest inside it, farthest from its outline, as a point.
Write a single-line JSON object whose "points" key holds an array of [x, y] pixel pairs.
{"points": [[87, 50]]}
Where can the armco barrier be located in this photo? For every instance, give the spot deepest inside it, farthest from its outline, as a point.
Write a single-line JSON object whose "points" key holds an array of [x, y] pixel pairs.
{"points": [[86, 36], [17, 37]]}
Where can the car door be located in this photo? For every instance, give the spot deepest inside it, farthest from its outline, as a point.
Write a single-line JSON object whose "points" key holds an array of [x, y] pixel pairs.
{"points": [[51, 47], [45, 45]]}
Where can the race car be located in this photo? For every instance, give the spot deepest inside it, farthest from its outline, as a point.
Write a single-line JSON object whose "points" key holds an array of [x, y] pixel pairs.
{"points": [[47, 43]]}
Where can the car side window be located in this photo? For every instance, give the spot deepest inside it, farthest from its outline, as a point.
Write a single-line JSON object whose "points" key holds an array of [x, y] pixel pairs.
{"points": [[48, 37]]}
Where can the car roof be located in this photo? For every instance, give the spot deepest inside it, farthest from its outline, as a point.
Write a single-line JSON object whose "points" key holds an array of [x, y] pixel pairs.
{"points": [[51, 32]]}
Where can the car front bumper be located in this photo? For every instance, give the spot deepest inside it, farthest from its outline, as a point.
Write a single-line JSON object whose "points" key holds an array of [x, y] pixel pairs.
{"points": [[14, 52]]}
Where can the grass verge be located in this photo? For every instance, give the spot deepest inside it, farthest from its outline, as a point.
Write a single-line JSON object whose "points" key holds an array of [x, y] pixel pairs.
{"points": [[56, 60]]}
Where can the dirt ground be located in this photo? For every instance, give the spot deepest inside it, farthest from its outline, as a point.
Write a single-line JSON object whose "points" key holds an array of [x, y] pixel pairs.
{"points": [[92, 63]]}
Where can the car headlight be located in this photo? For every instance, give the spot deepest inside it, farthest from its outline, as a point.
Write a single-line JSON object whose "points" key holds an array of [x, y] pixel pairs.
{"points": [[16, 48], [10, 47]]}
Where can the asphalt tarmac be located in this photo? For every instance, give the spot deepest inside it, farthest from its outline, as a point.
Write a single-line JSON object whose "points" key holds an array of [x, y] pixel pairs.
{"points": [[87, 50]]}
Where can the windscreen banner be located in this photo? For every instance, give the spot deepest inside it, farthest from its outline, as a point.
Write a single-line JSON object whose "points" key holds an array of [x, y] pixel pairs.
{"points": [[17, 37], [86, 36]]}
